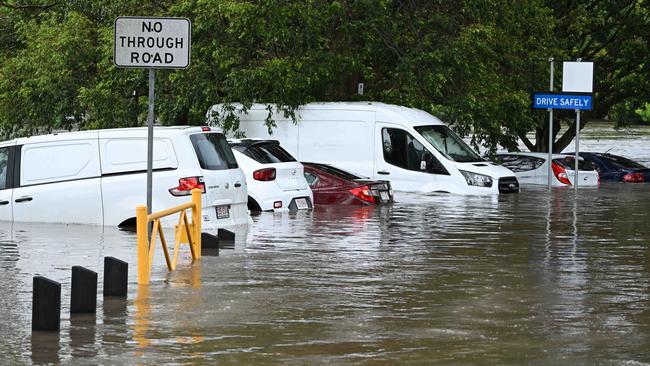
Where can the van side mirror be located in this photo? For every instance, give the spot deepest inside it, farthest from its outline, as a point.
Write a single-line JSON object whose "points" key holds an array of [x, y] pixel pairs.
{"points": [[426, 162]]}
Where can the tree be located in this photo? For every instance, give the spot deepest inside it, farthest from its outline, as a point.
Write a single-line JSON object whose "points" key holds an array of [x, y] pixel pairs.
{"points": [[614, 35], [472, 63]]}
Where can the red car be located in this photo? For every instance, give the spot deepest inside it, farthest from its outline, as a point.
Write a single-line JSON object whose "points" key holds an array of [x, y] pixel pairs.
{"points": [[331, 185]]}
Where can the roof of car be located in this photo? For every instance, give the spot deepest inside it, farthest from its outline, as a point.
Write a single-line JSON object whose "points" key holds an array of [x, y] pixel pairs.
{"points": [[251, 142], [384, 112], [541, 155], [128, 131]]}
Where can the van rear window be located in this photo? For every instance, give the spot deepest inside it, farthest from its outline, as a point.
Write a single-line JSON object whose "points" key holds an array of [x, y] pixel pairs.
{"points": [[213, 151], [266, 153]]}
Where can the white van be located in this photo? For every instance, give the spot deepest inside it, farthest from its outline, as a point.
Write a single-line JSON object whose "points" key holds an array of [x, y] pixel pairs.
{"points": [[409, 147], [99, 177]]}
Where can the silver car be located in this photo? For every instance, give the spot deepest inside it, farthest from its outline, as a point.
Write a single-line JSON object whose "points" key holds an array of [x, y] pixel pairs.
{"points": [[532, 168]]}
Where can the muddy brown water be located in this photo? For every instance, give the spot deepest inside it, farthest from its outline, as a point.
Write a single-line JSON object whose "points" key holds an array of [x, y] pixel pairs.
{"points": [[559, 278]]}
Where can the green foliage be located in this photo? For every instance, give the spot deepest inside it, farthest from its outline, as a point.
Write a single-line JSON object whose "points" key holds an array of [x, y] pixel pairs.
{"points": [[472, 62], [644, 112]]}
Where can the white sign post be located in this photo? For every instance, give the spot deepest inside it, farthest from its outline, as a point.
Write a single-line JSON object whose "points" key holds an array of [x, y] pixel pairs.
{"points": [[577, 77], [153, 43]]}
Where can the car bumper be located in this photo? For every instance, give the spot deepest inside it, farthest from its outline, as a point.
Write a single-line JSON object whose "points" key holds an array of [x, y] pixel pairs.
{"points": [[287, 198]]}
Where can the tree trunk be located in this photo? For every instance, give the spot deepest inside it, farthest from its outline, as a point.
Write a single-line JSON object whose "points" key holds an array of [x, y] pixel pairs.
{"points": [[559, 144]]}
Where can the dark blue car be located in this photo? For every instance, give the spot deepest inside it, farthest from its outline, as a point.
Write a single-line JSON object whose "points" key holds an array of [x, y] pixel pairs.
{"points": [[617, 168]]}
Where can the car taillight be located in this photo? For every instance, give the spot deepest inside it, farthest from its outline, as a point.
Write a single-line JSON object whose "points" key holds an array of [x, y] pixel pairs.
{"points": [[186, 185], [363, 193], [560, 173], [633, 178], [264, 175]]}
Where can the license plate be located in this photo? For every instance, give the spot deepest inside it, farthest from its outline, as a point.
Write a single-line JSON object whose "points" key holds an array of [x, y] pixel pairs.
{"points": [[223, 212], [301, 203], [384, 196]]}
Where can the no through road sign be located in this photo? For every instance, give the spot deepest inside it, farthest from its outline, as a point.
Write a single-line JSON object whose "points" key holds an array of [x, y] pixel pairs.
{"points": [[161, 43]]}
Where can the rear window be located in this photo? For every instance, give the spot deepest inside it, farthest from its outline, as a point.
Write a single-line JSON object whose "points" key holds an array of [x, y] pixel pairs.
{"points": [[213, 151], [621, 162], [518, 163], [266, 153], [335, 171], [570, 163]]}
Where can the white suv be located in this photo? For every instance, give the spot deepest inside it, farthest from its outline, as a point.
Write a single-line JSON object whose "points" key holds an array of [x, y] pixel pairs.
{"points": [[275, 179]]}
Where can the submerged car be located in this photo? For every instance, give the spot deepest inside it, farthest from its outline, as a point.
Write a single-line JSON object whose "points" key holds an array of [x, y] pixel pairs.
{"points": [[331, 185], [275, 179], [532, 168], [617, 168]]}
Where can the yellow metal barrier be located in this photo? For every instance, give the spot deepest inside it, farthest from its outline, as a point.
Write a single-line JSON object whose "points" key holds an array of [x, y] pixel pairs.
{"points": [[146, 246]]}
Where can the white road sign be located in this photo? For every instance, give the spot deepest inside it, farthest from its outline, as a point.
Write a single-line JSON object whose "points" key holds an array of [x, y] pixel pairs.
{"points": [[578, 77], [161, 43]]}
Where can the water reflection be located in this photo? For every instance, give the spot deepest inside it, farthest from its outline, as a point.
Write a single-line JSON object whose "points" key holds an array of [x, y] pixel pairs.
{"points": [[45, 347], [82, 333], [534, 278]]}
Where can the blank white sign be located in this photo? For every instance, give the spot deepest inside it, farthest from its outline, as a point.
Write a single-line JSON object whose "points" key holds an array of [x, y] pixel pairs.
{"points": [[578, 77]]}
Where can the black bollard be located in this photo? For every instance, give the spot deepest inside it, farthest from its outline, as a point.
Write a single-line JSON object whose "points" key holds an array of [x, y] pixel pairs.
{"points": [[209, 245], [83, 297], [46, 304], [116, 277]]}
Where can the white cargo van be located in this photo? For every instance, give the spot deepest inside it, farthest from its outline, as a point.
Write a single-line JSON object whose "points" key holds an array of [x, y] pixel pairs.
{"points": [[99, 177], [409, 147]]}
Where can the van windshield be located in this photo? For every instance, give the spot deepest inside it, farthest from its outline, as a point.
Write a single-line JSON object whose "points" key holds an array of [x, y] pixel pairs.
{"points": [[213, 151], [448, 143]]}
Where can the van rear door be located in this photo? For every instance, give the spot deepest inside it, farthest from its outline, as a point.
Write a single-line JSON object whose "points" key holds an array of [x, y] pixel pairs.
{"points": [[225, 183]]}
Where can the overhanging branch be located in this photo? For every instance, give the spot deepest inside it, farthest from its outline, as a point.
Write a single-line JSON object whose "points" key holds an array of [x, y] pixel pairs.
{"points": [[28, 7]]}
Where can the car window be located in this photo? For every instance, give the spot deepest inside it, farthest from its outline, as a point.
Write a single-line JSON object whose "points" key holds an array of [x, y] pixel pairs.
{"points": [[518, 163], [443, 139], [4, 160], [403, 150], [569, 162], [266, 153], [621, 162], [312, 179], [336, 172], [213, 151]]}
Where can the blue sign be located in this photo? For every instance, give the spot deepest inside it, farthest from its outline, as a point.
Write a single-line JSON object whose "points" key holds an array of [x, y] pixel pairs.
{"points": [[562, 101]]}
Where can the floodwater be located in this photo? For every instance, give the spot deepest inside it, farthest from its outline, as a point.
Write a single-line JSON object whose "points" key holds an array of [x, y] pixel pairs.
{"points": [[559, 278]]}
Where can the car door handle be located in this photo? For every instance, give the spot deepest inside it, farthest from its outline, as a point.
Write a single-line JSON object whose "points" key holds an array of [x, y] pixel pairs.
{"points": [[23, 199], [383, 172], [237, 185], [2, 203]]}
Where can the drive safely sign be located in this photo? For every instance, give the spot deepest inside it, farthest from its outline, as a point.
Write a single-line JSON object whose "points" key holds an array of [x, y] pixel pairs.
{"points": [[562, 101], [161, 43]]}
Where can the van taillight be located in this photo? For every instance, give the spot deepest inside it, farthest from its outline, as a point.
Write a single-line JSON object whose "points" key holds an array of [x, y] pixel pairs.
{"points": [[264, 175], [363, 193], [633, 178], [186, 185], [560, 173]]}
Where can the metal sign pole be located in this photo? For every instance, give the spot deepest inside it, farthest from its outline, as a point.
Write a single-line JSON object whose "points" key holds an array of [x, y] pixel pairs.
{"points": [[550, 132], [575, 179], [150, 119]]}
